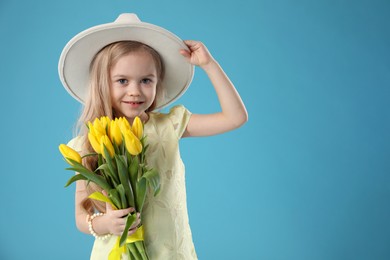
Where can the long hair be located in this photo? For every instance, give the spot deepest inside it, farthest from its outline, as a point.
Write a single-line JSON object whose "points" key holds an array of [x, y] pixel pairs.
{"points": [[98, 101]]}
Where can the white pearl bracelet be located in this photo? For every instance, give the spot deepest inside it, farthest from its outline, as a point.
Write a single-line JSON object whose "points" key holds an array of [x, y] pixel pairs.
{"points": [[93, 233]]}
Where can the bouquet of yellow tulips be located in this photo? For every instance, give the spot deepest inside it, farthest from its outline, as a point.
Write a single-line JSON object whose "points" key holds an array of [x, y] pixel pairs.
{"points": [[122, 172]]}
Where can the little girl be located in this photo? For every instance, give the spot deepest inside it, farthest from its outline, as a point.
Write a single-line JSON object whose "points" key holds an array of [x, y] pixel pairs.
{"points": [[129, 68]]}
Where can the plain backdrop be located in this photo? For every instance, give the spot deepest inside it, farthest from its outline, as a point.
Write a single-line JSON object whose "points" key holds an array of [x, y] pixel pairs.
{"points": [[308, 177]]}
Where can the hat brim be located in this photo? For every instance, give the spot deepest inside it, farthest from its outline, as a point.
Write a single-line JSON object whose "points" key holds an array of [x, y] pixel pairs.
{"points": [[77, 55]]}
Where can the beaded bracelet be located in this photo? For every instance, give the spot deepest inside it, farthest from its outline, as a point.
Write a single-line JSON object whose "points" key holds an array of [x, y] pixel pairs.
{"points": [[93, 233]]}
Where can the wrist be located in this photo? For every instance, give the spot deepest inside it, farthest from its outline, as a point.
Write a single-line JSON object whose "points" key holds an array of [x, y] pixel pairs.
{"points": [[93, 222], [211, 65]]}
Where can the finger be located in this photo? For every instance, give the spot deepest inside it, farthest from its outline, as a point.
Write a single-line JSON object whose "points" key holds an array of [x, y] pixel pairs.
{"points": [[136, 222], [190, 43], [122, 212], [108, 207], [194, 45], [185, 53], [132, 230]]}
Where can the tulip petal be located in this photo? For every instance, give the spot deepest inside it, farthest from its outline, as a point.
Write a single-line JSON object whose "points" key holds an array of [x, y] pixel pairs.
{"points": [[133, 144], [115, 133], [94, 142], [137, 127], [106, 143], [69, 153]]}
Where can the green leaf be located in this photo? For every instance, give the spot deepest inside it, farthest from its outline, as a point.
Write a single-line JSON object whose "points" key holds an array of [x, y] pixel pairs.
{"points": [[103, 167], [146, 147], [137, 255], [91, 176], [124, 180], [74, 178], [122, 194], [129, 157], [122, 146], [111, 166], [144, 152], [105, 172], [116, 148], [89, 154], [130, 251], [100, 159], [141, 194], [133, 171], [114, 195], [141, 249], [153, 180], [130, 220]]}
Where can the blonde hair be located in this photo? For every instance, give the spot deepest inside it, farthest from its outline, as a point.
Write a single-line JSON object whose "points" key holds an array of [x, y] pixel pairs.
{"points": [[98, 101]]}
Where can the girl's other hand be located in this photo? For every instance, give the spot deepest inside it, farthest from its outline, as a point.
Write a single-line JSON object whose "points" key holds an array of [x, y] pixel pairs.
{"points": [[115, 220], [197, 54]]}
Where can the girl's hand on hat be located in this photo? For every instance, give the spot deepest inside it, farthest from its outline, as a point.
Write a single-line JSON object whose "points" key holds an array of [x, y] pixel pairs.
{"points": [[197, 54], [233, 112]]}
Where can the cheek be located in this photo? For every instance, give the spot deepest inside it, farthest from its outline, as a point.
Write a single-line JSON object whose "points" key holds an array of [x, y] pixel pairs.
{"points": [[152, 92], [114, 91]]}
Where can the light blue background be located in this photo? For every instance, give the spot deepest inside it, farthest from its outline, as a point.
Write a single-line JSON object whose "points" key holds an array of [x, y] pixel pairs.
{"points": [[308, 176]]}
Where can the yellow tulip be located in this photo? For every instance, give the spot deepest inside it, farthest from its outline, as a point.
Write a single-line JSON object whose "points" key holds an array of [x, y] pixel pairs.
{"points": [[69, 153], [115, 132], [133, 144], [124, 125], [94, 142], [105, 122], [137, 127], [105, 141], [98, 128], [95, 131]]}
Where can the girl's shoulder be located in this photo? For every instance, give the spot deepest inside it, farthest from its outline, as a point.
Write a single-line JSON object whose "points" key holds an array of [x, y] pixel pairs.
{"points": [[178, 112], [174, 113], [178, 117]]}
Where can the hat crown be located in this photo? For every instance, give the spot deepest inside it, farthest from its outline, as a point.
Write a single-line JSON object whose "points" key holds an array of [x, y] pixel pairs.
{"points": [[127, 18]]}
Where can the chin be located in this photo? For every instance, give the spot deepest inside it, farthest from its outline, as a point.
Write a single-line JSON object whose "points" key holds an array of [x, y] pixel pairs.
{"points": [[132, 115]]}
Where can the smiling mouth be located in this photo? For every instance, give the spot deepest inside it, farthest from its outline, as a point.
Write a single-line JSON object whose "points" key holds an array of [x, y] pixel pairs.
{"points": [[133, 102]]}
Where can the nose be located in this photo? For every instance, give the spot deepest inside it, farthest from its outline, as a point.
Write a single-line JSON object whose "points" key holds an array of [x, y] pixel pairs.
{"points": [[133, 89]]}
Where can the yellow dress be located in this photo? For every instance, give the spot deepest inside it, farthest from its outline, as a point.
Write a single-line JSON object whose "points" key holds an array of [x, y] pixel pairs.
{"points": [[165, 217]]}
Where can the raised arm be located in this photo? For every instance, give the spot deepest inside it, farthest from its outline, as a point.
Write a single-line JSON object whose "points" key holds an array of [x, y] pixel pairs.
{"points": [[233, 113]]}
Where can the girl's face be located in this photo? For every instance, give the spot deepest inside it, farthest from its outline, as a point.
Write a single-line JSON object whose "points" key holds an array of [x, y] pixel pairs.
{"points": [[133, 81]]}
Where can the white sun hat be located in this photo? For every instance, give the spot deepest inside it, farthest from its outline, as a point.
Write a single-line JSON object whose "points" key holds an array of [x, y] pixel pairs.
{"points": [[75, 59]]}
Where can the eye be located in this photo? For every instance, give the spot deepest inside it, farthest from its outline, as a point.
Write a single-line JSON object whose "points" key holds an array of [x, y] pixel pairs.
{"points": [[146, 81], [122, 81]]}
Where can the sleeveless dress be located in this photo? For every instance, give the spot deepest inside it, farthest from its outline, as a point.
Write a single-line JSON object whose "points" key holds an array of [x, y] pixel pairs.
{"points": [[165, 217]]}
